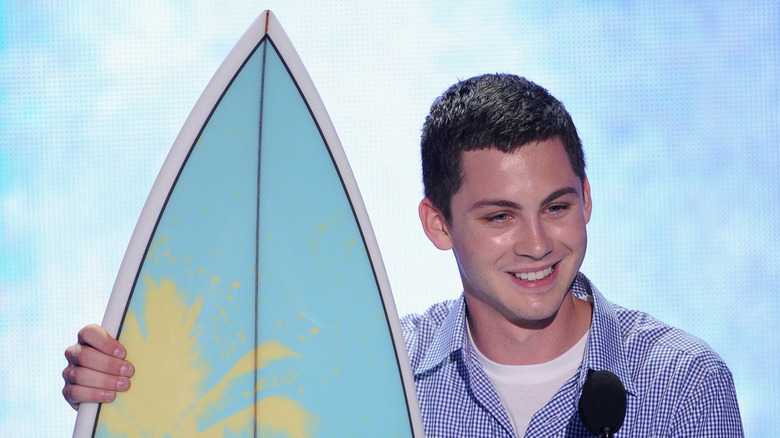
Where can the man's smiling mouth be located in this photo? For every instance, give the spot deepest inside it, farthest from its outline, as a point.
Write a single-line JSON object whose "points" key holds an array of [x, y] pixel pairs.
{"points": [[532, 276]]}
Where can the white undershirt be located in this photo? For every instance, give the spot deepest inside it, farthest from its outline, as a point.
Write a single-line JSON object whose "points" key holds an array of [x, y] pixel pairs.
{"points": [[524, 389]]}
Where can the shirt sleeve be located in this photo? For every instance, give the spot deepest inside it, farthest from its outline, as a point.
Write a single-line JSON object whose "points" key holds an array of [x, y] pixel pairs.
{"points": [[711, 409]]}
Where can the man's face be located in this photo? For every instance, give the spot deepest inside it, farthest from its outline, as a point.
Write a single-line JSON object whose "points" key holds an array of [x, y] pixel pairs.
{"points": [[518, 231]]}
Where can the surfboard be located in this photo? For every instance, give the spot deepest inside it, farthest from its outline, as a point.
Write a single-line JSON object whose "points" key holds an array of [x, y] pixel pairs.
{"points": [[252, 297]]}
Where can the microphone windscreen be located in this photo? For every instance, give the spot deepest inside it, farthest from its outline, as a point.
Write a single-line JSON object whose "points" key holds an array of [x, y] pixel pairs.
{"points": [[602, 403]]}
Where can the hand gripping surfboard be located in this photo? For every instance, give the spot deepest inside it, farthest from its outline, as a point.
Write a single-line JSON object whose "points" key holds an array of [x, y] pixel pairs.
{"points": [[252, 298]]}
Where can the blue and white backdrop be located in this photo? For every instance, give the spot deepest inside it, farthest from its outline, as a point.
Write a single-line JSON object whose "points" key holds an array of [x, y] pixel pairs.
{"points": [[677, 103]]}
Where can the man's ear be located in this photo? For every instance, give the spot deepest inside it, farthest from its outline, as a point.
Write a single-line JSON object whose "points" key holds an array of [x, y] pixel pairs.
{"points": [[587, 201], [435, 225]]}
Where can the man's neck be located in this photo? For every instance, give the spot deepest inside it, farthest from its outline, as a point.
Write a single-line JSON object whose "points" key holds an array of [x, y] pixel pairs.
{"points": [[510, 343]]}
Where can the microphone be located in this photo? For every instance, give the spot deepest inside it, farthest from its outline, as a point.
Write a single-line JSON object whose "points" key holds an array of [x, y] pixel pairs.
{"points": [[602, 403]]}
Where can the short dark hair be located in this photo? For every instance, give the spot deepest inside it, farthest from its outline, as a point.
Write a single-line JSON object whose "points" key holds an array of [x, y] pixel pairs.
{"points": [[499, 111]]}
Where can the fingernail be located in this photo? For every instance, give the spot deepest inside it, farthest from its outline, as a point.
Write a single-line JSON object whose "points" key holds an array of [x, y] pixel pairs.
{"points": [[119, 352], [122, 384], [127, 370], [109, 396]]}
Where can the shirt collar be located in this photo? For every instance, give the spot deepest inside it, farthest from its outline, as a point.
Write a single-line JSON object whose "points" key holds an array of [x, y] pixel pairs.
{"points": [[450, 337], [605, 350]]}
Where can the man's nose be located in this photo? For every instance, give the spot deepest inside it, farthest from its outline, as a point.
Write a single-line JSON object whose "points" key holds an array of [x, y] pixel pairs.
{"points": [[533, 240]]}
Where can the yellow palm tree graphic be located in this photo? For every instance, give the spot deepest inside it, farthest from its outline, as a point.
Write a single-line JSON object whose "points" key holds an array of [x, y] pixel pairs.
{"points": [[167, 398]]}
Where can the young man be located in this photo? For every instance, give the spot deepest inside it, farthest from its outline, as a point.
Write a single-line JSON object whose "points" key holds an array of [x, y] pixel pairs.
{"points": [[506, 190]]}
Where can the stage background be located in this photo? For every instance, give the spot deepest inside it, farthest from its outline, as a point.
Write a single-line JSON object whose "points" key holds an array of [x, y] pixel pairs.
{"points": [[676, 103]]}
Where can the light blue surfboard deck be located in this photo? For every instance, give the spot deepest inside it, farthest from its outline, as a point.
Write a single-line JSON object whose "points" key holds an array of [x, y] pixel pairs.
{"points": [[252, 298]]}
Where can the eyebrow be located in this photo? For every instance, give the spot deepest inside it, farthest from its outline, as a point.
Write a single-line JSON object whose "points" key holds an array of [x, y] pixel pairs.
{"points": [[513, 205], [559, 194]]}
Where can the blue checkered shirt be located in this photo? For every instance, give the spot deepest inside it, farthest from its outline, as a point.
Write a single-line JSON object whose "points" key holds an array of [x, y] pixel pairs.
{"points": [[676, 385]]}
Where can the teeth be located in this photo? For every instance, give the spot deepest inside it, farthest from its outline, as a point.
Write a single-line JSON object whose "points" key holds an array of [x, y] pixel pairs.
{"points": [[531, 276]]}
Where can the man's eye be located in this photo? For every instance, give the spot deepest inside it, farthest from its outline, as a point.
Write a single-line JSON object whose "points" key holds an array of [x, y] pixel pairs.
{"points": [[558, 208], [501, 217]]}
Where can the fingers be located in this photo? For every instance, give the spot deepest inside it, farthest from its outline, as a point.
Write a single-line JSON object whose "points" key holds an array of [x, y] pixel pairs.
{"points": [[87, 357], [80, 376], [76, 394], [97, 350], [96, 368], [98, 338], [86, 385]]}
